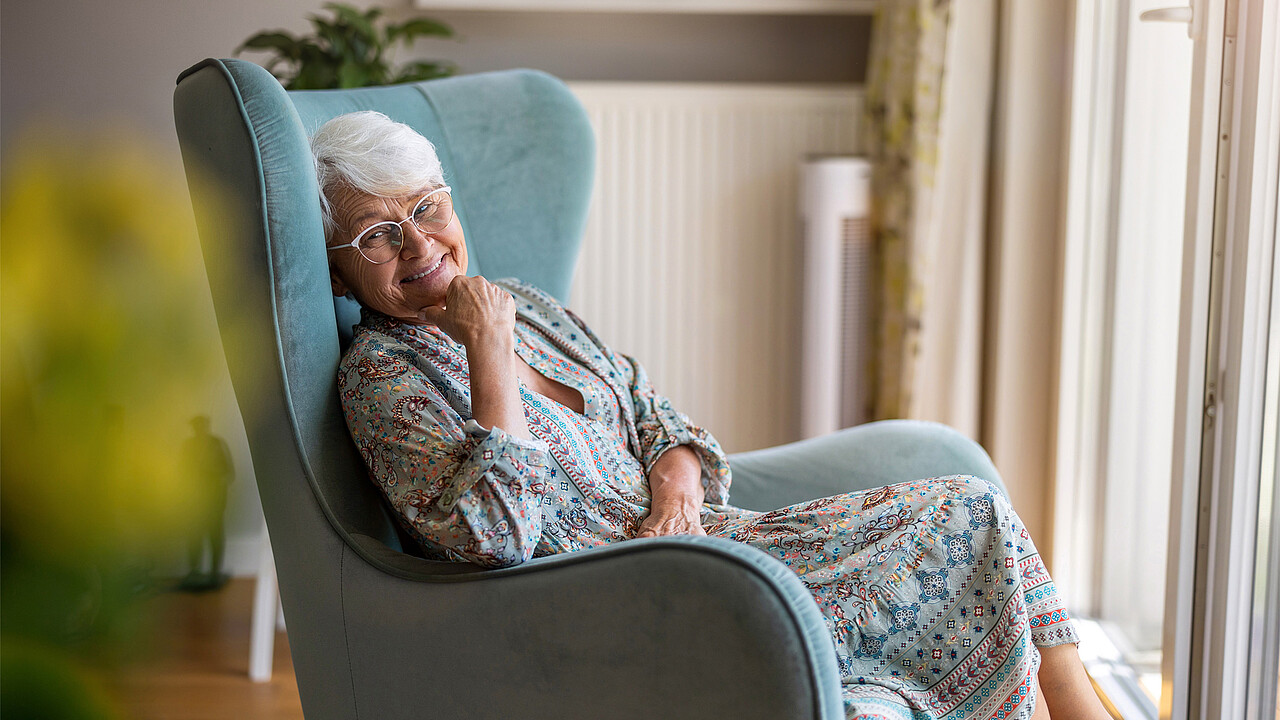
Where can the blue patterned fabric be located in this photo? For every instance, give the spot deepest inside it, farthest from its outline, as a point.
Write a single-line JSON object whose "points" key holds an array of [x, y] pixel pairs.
{"points": [[934, 593]]}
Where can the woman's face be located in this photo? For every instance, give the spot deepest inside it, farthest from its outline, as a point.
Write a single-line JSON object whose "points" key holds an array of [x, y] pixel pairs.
{"points": [[417, 277]]}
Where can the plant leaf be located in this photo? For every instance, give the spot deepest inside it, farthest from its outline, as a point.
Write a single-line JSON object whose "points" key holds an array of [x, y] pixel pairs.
{"points": [[417, 27], [423, 70], [274, 62], [313, 77], [342, 10], [352, 75], [316, 70], [362, 23], [346, 50], [325, 30], [378, 72], [282, 42]]}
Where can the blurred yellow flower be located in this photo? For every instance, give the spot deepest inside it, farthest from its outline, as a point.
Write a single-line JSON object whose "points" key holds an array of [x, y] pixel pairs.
{"points": [[109, 349]]}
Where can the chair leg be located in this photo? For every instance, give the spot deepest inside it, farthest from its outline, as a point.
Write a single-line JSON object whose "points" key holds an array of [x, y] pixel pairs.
{"points": [[265, 606]]}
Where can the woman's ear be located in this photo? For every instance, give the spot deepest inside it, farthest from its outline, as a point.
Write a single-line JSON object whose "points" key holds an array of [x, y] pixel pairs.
{"points": [[340, 288]]}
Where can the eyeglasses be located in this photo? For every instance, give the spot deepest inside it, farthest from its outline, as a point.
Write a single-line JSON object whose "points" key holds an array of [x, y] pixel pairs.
{"points": [[381, 242]]}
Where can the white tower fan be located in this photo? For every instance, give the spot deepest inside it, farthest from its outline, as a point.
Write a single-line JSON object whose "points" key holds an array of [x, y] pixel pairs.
{"points": [[835, 198]]}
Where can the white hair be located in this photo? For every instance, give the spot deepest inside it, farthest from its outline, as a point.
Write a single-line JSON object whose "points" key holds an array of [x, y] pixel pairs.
{"points": [[371, 153]]}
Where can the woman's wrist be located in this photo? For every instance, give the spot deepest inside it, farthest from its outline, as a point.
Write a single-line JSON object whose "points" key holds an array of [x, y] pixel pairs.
{"points": [[675, 484], [495, 389], [678, 495], [490, 343], [675, 480]]}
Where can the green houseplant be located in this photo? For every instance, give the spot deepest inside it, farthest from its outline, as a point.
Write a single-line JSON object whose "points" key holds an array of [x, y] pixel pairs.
{"points": [[348, 50]]}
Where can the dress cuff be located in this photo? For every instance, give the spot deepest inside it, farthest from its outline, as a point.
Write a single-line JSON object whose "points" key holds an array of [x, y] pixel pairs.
{"points": [[500, 457], [1047, 632], [480, 434], [676, 430]]}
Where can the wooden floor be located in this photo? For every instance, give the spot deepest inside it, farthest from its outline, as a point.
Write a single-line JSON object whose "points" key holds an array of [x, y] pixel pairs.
{"points": [[199, 667]]}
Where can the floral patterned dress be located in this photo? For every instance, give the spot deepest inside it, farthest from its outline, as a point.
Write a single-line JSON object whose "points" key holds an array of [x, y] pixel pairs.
{"points": [[933, 591]]}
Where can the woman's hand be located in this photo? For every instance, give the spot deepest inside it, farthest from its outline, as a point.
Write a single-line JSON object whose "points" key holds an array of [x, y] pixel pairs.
{"points": [[671, 518], [482, 316], [676, 484], [475, 313]]}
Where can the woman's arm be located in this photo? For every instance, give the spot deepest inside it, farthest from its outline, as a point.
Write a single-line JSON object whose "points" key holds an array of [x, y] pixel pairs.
{"points": [[495, 393], [684, 464], [676, 484], [662, 428], [482, 317], [682, 461], [469, 492]]}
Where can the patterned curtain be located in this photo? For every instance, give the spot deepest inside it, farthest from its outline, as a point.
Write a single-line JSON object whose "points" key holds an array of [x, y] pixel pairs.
{"points": [[903, 107]]}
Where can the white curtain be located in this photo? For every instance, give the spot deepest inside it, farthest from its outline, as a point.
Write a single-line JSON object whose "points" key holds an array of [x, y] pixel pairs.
{"points": [[986, 244], [1028, 188], [949, 365]]}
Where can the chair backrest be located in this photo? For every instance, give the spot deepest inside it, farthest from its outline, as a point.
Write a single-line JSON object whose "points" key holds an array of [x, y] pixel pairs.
{"points": [[519, 152]]}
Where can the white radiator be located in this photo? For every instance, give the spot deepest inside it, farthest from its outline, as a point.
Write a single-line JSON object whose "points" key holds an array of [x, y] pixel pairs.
{"points": [[692, 258]]}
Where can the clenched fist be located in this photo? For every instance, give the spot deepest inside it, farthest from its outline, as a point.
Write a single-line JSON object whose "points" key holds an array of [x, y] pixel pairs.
{"points": [[475, 312]]}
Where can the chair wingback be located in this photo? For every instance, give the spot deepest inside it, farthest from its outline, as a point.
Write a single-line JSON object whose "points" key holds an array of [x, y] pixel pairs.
{"points": [[516, 147]]}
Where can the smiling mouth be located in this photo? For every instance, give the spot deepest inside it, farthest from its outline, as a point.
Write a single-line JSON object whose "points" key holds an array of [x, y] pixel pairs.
{"points": [[426, 272]]}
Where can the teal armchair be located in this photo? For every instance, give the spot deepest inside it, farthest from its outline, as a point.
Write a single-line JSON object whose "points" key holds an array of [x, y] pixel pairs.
{"points": [[688, 628]]}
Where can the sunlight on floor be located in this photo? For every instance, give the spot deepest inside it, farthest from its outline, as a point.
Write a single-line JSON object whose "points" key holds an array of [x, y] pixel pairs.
{"points": [[1123, 680], [1150, 682], [199, 668]]}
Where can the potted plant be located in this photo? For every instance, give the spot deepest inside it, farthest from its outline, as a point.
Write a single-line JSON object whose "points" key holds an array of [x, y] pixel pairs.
{"points": [[348, 50]]}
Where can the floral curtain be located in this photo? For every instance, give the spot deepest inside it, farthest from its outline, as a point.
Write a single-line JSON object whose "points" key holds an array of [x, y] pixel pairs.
{"points": [[903, 108]]}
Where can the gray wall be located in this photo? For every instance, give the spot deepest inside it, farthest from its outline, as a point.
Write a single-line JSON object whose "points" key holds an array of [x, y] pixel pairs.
{"points": [[90, 64], [91, 61], [619, 46]]}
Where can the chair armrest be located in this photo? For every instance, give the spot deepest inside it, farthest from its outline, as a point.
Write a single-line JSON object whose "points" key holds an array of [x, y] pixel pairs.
{"points": [[853, 459], [674, 627]]}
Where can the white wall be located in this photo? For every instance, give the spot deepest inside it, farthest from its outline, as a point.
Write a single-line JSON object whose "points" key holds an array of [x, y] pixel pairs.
{"points": [[693, 256], [92, 64]]}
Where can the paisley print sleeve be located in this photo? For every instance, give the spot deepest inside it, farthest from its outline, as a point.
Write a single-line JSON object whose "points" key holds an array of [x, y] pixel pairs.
{"points": [[467, 492], [658, 425], [662, 427]]}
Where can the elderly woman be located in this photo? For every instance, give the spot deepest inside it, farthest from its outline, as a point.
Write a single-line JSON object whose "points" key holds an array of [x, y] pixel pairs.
{"points": [[501, 428]]}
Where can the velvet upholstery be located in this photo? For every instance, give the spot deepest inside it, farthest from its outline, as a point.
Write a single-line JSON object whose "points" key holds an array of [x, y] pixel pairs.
{"points": [[856, 458], [694, 627]]}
